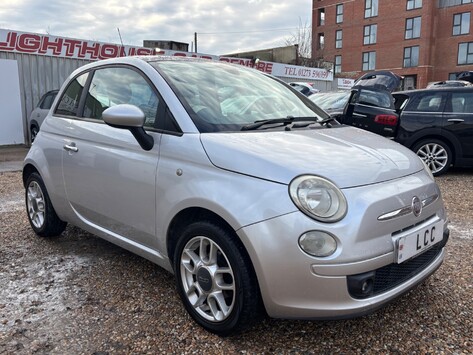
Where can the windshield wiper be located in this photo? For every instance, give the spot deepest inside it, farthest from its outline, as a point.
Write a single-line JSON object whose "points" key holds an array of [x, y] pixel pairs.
{"points": [[284, 121]]}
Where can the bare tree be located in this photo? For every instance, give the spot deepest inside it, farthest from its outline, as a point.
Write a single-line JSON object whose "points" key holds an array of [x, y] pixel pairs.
{"points": [[303, 39]]}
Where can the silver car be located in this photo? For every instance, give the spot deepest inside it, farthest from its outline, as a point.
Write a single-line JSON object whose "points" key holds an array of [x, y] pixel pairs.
{"points": [[37, 116], [250, 194]]}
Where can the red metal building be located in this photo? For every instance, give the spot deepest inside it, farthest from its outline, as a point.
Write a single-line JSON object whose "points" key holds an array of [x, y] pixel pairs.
{"points": [[422, 40]]}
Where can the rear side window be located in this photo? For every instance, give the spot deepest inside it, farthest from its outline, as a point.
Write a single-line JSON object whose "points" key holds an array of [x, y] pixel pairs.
{"points": [[69, 103], [375, 98], [461, 102], [428, 102], [114, 86]]}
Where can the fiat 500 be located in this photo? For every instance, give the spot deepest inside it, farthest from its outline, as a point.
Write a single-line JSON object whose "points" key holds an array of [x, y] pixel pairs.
{"points": [[250, 194]]}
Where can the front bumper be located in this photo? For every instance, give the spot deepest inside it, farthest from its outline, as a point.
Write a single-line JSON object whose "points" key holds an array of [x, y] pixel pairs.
{"points": [[298, 286]]}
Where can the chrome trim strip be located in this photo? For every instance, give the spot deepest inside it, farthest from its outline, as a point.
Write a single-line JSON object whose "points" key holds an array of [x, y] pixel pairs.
{"points": [[407, 209]]}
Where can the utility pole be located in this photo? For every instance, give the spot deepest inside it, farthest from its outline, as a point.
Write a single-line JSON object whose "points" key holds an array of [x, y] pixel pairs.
{"points": [[195, 42]]}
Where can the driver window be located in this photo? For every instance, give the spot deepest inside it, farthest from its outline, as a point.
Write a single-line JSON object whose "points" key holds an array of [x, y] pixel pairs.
{"points": [[114, 86]]}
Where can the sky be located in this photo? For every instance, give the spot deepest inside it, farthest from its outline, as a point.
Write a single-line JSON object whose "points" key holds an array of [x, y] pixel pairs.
{"points": [[222, 26]]}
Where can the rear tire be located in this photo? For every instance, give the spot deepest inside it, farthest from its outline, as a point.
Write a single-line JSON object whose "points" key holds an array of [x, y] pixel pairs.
{"points": [[43, 219], [436, 154], [215, 279]]}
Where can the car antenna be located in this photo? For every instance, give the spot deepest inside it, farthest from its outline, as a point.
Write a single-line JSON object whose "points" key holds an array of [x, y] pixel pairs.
{"points": [[121, 41]]}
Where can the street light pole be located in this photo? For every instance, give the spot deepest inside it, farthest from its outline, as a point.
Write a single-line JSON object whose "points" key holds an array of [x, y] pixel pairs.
{"points": [[195, 42]]}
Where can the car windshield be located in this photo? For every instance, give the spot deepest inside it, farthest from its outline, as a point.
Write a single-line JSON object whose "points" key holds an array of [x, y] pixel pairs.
{"points": [[223, 97]]}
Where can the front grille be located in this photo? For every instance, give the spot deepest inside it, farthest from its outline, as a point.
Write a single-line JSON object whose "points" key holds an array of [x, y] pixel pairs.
{"points": [[388, 277], [392, 275]]}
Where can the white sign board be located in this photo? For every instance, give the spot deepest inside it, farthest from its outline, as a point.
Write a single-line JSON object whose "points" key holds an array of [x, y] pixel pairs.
{"points": [[345, 84], [11, 119]]}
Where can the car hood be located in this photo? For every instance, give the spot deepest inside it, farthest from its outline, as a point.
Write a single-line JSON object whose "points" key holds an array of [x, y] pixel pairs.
{"points": [[347, 156]]}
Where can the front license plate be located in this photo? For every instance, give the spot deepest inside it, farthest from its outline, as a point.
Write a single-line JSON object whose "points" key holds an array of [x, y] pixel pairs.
{"points": [[417, 242]]}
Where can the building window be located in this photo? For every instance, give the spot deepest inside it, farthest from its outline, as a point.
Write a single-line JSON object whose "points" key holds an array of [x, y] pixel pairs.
{"points": [[452, 76], [338, 64], [465, 53], [321, 17], [320, 41], [414, 4], [338, 39], [369, 36], [411, 57], [371, 8], [461, 24], [369, 61], [413, 27], [339, 18]]}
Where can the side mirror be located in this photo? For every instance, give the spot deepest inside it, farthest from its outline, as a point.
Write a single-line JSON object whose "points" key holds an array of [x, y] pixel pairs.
{"points": [[129, 117]]}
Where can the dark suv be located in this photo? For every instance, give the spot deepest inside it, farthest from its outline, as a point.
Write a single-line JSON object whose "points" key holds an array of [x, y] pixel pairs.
{"points": [[437, 124]]}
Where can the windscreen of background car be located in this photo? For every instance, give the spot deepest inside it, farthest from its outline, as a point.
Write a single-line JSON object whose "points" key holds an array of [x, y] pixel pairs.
{"points": [[222, 97]]}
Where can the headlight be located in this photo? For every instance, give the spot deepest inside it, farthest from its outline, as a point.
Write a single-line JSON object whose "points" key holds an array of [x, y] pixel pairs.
{"points": [[318, 198]]}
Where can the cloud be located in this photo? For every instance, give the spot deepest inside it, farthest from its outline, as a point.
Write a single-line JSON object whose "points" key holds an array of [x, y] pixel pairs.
{"points": [[223, 26]]}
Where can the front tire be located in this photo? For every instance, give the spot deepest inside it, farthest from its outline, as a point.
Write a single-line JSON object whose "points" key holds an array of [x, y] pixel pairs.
{"points": [[436, 154], [43, 219], [215, 279]]}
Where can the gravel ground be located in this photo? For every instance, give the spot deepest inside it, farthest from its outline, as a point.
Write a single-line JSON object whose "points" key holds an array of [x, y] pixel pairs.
{"points": [[77, 294]]}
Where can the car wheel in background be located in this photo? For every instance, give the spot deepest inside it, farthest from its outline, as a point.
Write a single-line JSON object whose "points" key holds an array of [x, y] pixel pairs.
{"points": [[215, 279], [436, 154], [41, 214], [33, 132]]}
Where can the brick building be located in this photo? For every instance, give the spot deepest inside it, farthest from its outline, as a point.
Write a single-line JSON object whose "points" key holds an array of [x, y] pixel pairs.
{"points": [[422, 40]]}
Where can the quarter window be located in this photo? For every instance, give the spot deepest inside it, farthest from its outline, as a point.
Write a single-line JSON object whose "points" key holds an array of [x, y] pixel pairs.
{"points": [[414, 4], [413, 26], [428, 103], [47, 101], [370, 32], [339, 18], [114, 86], [338, 39], [411, 57], [465, 53], [371, 8], [69, 103], [369, 61], [461, 24]]}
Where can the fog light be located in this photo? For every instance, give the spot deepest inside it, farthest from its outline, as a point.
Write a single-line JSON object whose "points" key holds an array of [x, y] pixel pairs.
{"points": [[318, 243]]}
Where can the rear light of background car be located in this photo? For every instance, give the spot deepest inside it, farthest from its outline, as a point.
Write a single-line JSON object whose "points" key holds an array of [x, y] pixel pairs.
{"points": [[388, 120]]}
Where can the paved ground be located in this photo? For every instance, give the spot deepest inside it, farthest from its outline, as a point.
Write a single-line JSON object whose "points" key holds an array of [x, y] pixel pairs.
{"points": [[78, 294]]}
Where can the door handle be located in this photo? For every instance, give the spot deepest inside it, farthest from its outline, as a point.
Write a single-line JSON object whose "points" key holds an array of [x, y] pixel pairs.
{"points": [[71, 147], [456, 120]]}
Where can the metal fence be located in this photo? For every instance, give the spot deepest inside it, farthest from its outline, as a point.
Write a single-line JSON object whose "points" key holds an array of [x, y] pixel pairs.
{"points": [[39, 74]]}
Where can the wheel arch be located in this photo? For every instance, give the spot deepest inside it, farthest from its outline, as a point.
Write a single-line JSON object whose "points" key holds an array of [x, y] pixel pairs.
{"points": [[28, 169], [188, 216]]}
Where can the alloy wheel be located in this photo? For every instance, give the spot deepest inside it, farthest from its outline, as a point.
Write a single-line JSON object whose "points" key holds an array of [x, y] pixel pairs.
{"points": [[434, 155], [207, 278], [36, 204]]}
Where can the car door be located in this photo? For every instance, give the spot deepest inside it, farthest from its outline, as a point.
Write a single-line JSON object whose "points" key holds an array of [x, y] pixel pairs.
{"points": [[110, 181], [458, 121]]}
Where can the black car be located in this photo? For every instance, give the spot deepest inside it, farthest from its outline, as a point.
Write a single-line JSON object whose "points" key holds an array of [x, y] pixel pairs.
{"points": [[437, 124], [371, 105]]}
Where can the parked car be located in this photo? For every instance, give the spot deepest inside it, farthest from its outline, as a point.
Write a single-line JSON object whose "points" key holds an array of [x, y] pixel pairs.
{"points": [[269, 206], [437, 124], [39, 113], [449, 83], [332, 102], [306, 88]]}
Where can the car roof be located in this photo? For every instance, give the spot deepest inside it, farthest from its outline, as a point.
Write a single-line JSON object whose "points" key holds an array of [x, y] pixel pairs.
{"points": [[436, 89]]}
